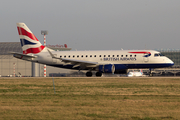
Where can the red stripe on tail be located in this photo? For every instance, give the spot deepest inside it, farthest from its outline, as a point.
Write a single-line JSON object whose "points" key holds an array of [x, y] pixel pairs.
{"points": [[34, 50], [22, 31]]}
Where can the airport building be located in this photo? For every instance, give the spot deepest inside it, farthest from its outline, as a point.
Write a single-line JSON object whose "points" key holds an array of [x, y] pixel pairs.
{"points": [[10, 66]]}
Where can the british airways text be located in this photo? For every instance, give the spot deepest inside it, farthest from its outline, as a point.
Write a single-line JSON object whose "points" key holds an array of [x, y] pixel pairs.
{"points": [[120, 59]]}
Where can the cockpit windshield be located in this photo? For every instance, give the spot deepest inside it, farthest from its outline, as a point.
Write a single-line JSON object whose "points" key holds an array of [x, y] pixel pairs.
{"points": [[158, 54]]}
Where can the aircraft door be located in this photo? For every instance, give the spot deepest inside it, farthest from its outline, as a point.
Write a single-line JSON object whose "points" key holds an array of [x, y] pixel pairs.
{"points": [[146, 58]]}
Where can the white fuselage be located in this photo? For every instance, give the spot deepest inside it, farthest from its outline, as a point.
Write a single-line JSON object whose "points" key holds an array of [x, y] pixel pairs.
{"points": [[116, 57]]}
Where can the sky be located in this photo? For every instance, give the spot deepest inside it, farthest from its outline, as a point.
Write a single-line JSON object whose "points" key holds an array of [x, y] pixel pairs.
{"points": [[95, 24]]}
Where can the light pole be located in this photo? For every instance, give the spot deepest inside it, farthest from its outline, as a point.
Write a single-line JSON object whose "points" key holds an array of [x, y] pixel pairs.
{"points": [[44, 32], [14, 64]]}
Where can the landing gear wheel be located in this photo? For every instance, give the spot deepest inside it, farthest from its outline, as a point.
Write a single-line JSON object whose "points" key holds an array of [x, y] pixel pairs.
{"points": [[98, 74], [89, 74], [150, 75]]}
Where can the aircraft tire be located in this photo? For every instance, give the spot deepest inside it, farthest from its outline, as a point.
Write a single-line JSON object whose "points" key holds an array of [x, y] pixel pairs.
{"points": [[98, 74], [89, 74]]}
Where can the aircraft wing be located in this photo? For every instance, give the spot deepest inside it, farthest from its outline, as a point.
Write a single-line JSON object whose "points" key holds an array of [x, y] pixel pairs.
{"points": [[76, 63]]}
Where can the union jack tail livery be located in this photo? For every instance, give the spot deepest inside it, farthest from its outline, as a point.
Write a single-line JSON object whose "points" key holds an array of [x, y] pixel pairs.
{"points": [[30, 44]]}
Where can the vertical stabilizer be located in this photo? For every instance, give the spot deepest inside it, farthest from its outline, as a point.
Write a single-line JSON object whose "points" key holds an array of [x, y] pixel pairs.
{"points": [[30, 44]]}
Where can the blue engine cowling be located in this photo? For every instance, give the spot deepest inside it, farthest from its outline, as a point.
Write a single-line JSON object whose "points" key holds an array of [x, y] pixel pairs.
{"points": [[109, 68]]}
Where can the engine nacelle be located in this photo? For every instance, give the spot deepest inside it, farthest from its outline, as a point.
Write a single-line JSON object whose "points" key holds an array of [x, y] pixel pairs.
{"points": [[109, 68]]}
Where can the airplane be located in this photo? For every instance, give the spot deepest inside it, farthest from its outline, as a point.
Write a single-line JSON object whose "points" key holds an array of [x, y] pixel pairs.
{"points": [[136, 74], [102, 61]]}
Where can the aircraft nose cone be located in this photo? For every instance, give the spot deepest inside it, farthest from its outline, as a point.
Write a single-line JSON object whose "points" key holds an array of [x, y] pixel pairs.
{"points": [[170, 62]]}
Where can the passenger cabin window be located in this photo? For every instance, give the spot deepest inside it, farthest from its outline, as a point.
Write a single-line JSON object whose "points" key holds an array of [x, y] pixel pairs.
{"points": [[117, 55], [82, 56], [77, 55], [60, 56], [121, 55], [108, 55], [113, 56], [134, 55], [90, 55], [86, 55], [73, 56], [64, 56], [126, 55], [69, 56], [99, 55], [94, 55], [130, 55], [104, 55]]}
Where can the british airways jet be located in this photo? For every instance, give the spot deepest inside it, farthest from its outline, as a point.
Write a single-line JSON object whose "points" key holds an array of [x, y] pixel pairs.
{"points": [[108, 61]]}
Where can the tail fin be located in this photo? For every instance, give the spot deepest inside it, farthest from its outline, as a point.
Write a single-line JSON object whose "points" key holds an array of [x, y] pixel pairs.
{"points": [[30, 44]]}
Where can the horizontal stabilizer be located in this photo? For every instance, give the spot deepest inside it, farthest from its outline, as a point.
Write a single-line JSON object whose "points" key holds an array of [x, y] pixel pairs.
{"points": [[21, 55]]}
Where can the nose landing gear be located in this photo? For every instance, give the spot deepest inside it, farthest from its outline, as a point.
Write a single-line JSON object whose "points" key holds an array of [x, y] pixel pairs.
{"points": [[150, 72]]}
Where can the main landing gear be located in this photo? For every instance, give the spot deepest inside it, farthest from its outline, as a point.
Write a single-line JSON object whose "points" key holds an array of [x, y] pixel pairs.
{"points": [[89, 74], [150, 72], [98, 74]]}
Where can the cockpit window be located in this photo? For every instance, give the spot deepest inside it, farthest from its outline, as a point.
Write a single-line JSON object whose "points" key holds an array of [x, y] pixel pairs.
{"points": [[161, 54], [158, 54], [155, 55]]}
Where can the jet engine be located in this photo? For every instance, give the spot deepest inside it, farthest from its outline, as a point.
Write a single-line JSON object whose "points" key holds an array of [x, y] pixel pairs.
{"points": [[109, 68]]}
